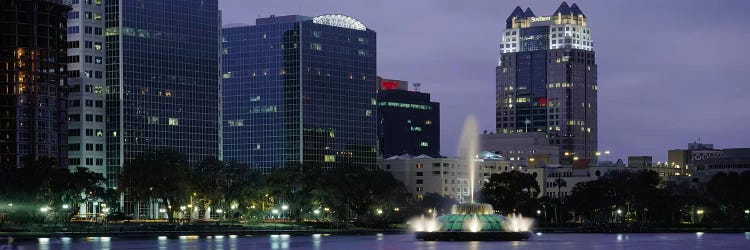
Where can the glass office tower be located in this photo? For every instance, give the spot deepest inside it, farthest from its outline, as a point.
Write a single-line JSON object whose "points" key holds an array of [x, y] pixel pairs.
{"points": [[33, 82], [299, 91], [546, 80], [162, 78]]}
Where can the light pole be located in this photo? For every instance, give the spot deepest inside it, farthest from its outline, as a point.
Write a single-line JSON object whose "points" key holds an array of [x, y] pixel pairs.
{"points": [[284, 208]]}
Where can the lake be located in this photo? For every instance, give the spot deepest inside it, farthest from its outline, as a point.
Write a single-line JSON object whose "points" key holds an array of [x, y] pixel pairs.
{"points": [[402, 241]]}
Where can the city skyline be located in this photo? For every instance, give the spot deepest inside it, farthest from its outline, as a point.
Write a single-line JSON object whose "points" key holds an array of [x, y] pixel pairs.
{"points": [[653, 66]]}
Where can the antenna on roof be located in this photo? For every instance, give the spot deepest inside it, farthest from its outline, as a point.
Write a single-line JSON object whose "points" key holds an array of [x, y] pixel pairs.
{"points": [[416, 86]]}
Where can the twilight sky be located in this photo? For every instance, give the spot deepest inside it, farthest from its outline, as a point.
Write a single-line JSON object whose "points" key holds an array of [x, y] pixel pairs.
{"points": [[670, 72]]}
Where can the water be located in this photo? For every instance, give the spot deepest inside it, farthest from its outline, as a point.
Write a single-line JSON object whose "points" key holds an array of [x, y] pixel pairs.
{"points": [[468, 149], [405, 241]]}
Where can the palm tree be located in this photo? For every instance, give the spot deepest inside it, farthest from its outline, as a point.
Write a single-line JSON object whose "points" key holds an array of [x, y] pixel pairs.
{"points": [[559, 183]]}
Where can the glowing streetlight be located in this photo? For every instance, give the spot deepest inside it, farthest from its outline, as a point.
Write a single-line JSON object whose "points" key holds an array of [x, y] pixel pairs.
{"points": [[275, 211], [606, 152], [104, 205], [10, 204], [219, 210], [538, 211], [700, 211], [575, 158], [598, 153], [326, 209], [316, 211], [284, 207], [379, 211], [396, 209], [619, 211], [44, 209], [747, 211], [65, 206], [161, 210], [182, 208], [105, 210]]}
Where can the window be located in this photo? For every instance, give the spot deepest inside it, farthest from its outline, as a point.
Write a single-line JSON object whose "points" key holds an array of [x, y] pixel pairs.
{"points": [[97, 16], [74, 147], [316, 46], [89, 117], [74, 161], [74, 132], [330, 158], [420, 165], [153, 120], [424, 144], [74, 118], [89, 15], [99, 118], [89, 161], [73, 15], [74, 29], [74, 44], [97, 31], [88, 30], [99, 104], [87, 44], [99, 147], [174, 122], [420, 181], [98, 60], [88, 59], [99, 161], [89, 132], [99, 133], [89, 147], [420, 173], [98, 75], [89, 103], [98, 45], [74, 59]]}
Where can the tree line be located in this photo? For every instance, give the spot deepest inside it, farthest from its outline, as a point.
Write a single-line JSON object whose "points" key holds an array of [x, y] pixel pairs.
{"points": [[626, 197]]}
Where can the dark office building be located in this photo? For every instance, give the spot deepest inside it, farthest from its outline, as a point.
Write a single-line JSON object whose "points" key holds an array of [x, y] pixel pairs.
{"points": [[408, 122], [162, 78], [33, 87], [546, 80], [299, 90]]}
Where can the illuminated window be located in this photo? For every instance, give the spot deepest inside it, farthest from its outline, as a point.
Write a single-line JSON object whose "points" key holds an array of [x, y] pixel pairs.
{"points": [[420, 165], [174, 122], [330, 158], [424, 144], [428, 122], [416, 128], [368, 112], [227, 75], [316, 46], [153, 120]]}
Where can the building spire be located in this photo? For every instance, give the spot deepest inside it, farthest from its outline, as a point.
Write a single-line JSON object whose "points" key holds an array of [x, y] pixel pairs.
{"points": [[528, 13], [517, 13]]}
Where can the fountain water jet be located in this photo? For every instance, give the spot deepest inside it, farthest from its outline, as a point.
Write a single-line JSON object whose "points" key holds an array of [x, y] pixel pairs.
{"points": [[471, 221]]}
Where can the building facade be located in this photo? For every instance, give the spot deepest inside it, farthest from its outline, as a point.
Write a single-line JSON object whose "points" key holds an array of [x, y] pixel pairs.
{"points": [[547, 80], [522, 149], [33, 89], [408, 121], [162, 79], [299, 90], [87, 95], [445, 176]]}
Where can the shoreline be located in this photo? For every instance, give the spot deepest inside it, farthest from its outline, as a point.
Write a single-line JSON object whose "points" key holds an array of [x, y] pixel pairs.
{"points": [[24, 236]]}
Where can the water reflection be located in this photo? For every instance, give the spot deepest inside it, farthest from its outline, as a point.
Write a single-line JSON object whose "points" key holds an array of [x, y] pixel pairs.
{"points": [[280, 241]]}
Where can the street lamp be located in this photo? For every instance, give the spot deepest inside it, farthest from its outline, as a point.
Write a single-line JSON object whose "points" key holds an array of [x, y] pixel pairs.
{"points": [[316, 211], [396, 209], [747, 211], [44, 209], [65, 206], [379, 211], [538, 212], [284, 207], [619, 211]]}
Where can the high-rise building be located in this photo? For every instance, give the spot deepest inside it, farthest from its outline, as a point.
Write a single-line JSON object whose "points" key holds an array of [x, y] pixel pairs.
{"points": [[162, 79], [299, 90], [408, 122], [33, 86], [546, 80], [87, 95]]}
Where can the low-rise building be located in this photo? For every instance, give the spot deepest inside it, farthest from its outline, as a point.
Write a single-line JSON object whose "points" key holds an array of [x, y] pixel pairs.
{"points": [[445, 176]]}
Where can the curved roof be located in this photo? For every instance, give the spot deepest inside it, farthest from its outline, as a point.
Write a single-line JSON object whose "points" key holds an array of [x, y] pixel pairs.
{"points": [[338, 20]]}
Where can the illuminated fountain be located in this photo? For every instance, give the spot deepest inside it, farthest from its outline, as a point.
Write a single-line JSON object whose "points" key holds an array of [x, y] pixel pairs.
{"points": [[471, 221]]}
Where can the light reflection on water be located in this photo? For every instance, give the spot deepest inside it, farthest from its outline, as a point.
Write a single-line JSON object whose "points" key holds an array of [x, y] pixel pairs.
{"points": [[398, 241]]}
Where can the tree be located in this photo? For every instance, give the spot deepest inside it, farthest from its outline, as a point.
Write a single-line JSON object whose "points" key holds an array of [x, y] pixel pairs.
{"points": [[164, 176], [511, 192]]}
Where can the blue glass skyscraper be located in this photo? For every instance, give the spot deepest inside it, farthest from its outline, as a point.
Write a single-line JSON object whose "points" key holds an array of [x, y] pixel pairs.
{"points": [[299, 90], [162, 79]]}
